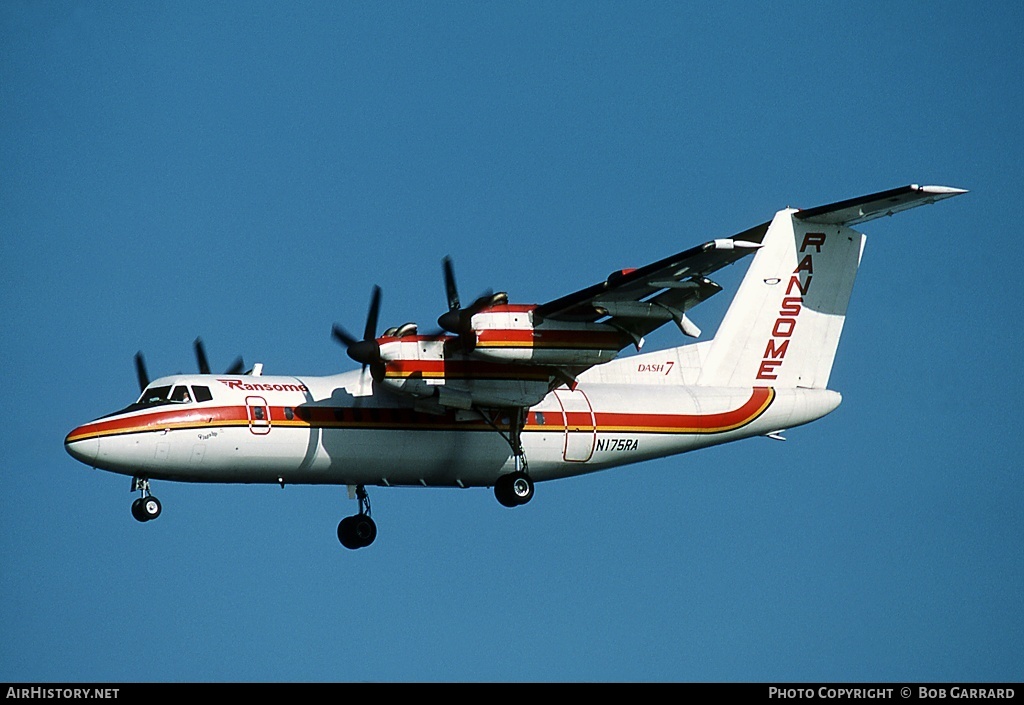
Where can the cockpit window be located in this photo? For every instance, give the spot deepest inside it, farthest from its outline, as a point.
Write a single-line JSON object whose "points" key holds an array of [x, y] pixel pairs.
{"points": [[154, 396], [181, 395], [202, 393]]}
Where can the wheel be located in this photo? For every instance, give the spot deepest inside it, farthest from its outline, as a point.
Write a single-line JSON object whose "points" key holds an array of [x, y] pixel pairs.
{"points": [[522, 487], [150, 508], [357, 531], [513, 489], [137, 511]]}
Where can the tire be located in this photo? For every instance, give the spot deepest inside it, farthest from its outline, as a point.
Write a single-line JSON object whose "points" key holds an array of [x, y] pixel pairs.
{"points": [[347, 533], [137, 511], [513, 489], [503, 491]]}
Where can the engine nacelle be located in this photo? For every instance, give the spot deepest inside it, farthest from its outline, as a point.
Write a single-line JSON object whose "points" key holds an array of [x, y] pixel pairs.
{"points": [[508, 334], [433, 368]]}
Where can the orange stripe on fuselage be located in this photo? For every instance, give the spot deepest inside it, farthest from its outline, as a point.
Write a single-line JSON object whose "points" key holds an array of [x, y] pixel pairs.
{"points": [[199, 417], [405, 419], [760, 399]]}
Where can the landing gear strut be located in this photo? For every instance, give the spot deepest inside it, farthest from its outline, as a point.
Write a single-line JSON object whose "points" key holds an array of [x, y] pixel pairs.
{"points": [[516, 487], [359, 530], [146, 507]]}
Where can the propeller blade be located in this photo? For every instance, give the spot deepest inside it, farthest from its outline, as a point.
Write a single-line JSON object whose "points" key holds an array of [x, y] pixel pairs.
{"points": [[449, 284], [140, 371], [481, 301], [457, 319], [236, 368], [204, 365], [366, 350], [377, 372], [370, 332], [343, 336]]}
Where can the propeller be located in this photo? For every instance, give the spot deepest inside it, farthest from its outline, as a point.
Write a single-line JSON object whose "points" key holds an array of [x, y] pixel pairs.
{"points": [[140, 371], [366, 350], [459, 320], [236, 367], [204, 366], [449, 284]]}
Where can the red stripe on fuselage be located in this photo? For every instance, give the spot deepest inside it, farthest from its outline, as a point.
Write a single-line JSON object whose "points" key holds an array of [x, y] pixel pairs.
{"points": [[760, 399], [196, 417], [405, 419]]}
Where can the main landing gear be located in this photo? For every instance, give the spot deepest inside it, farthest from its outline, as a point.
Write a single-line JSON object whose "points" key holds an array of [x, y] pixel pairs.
{"points": [[359, 530], [146, 507], [515, 488]]}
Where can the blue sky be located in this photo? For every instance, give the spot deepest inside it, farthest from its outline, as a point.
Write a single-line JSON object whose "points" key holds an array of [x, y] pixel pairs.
{"points": [[248, 171]]}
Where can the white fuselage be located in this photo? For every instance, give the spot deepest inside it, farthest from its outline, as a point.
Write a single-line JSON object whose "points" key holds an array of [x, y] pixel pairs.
{"points": [[340, 430]]}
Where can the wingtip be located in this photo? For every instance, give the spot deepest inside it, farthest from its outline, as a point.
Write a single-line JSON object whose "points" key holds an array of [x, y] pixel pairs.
{"points": [[942, 191]]}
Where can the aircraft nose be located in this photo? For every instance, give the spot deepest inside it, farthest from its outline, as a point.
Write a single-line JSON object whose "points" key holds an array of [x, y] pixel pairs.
{"points": [[80, 447]]}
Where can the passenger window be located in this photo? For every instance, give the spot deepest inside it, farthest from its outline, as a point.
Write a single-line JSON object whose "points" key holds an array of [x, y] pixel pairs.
{"points": [[180, 394], [201, 393]]}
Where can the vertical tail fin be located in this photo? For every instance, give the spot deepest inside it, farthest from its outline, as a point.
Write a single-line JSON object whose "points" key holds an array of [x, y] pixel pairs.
{"points": [[783, 326]]}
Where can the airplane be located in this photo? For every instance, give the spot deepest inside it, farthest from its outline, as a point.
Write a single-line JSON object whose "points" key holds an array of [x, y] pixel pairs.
{"points": [[507, 395]]}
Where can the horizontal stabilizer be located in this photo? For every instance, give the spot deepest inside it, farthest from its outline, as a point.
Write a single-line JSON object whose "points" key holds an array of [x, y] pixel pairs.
{"points": [[859, 210], [784, 324]]}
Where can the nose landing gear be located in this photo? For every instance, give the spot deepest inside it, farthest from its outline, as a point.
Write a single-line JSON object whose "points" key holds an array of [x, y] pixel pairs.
{"points": [[147, 507]]}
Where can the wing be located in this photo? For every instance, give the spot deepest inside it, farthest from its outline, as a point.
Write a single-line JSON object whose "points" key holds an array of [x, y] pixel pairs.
{"points": [[641, 300]]}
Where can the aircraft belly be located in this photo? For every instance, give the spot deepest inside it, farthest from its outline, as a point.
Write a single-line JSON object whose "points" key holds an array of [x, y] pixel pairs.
{"points": [[440, 458]]}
